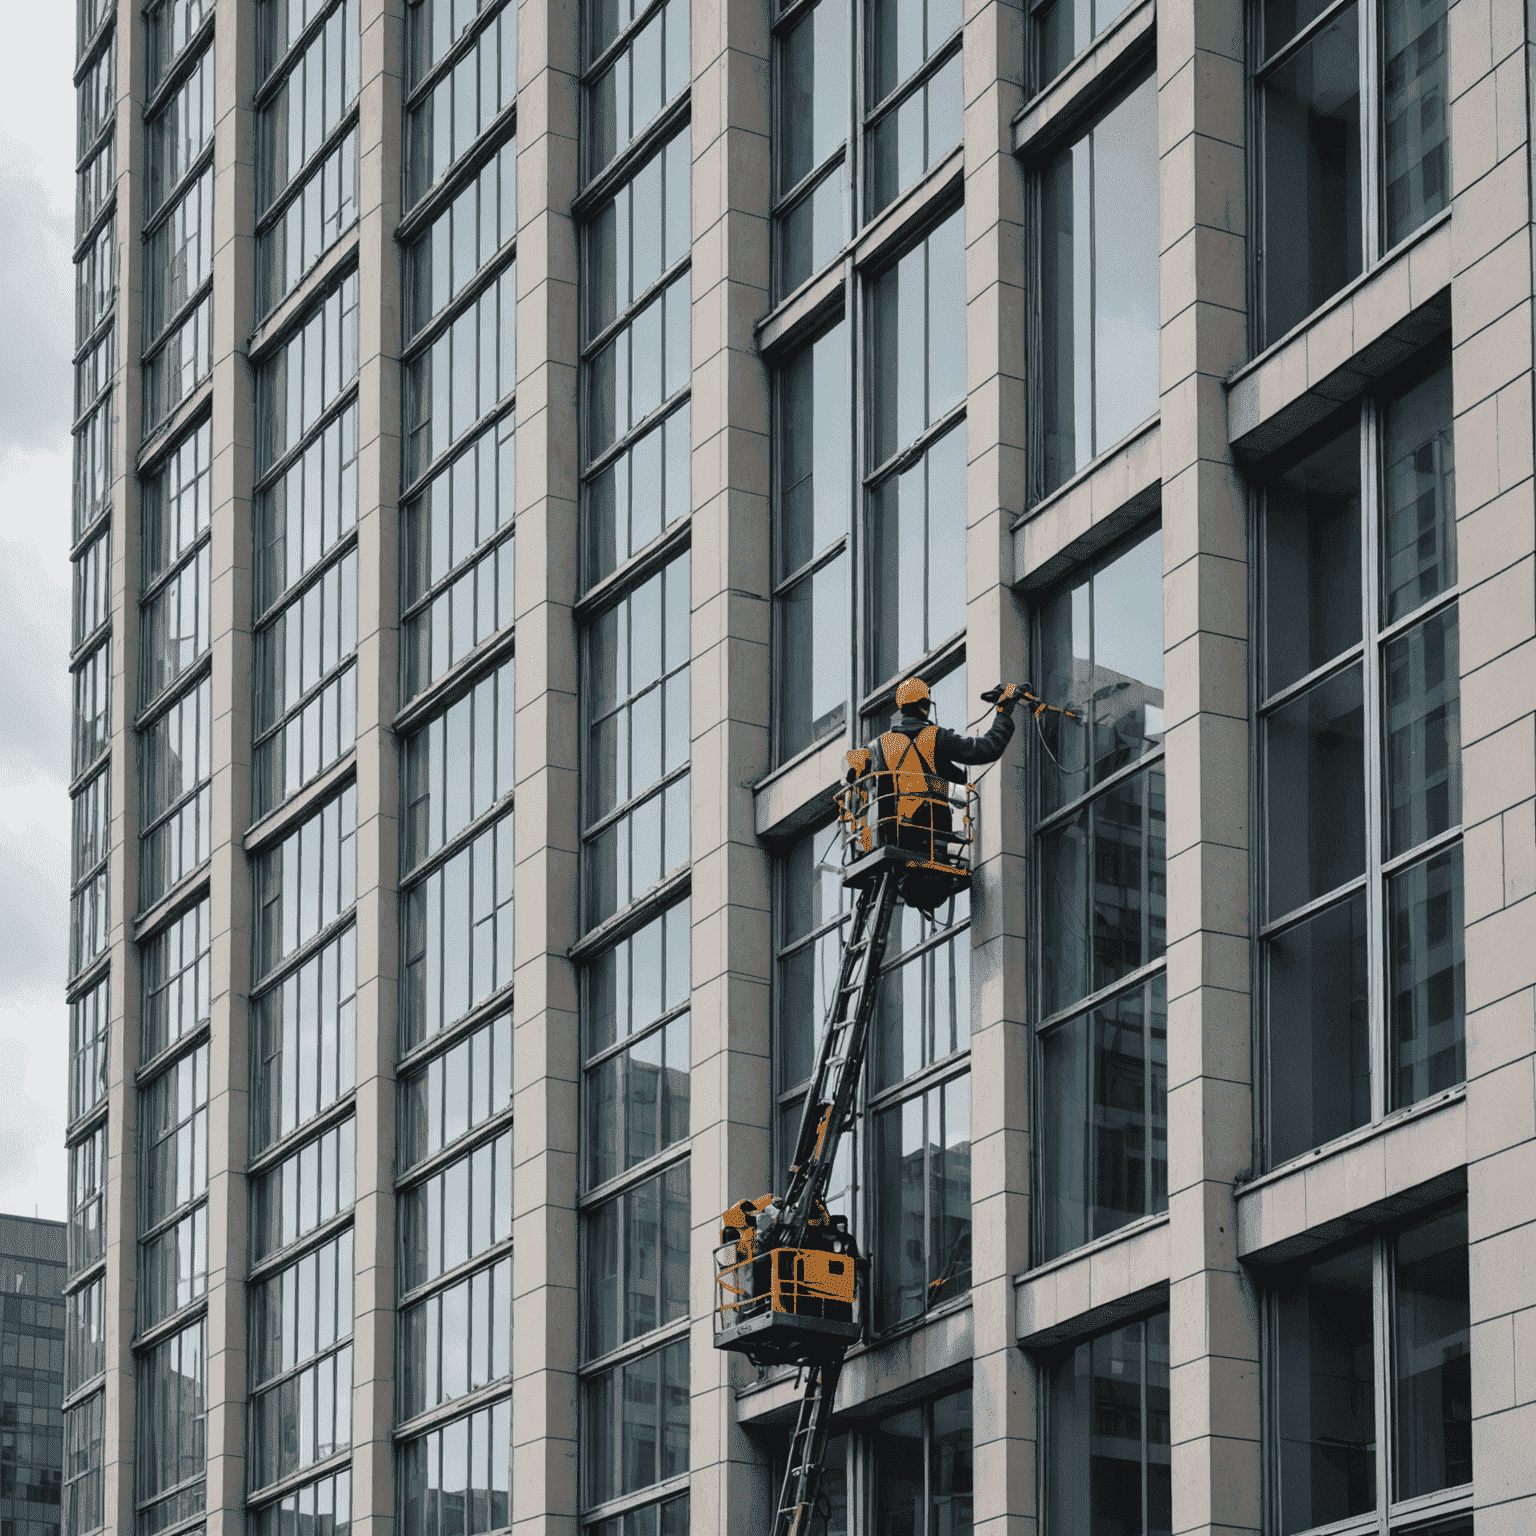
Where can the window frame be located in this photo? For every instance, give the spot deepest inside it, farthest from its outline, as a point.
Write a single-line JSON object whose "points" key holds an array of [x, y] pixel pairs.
{"points": [[198, 681], [1367, 656]]}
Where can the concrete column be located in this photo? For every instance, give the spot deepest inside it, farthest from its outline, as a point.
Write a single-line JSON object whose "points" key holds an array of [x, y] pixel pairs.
{"points": [[732, 928], [232, 467], [996, 647], [1491, 59], [547, 1052], [380, 132], [1202, 269]]}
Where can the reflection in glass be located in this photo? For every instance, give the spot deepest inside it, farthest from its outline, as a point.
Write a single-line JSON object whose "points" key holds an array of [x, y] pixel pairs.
{"points": [[1432, 1317], [1099, 286], [813, 93], [1415, 133], [1314, 788], [922, 1012], [1426, 978], [1423, 729], [1104, 1158], [1324, 1393], [636, 1262], [814, 230], [1066, 27], [1419, 526], [1319, 1077], [1311, 146], [637, 1102], [912, 136], [1312, 561], [1108, 1457], [636, 1424]]}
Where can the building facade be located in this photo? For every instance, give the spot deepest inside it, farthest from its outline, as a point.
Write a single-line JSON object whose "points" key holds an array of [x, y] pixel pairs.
{"points": [[32, 1351], [519, 448]]}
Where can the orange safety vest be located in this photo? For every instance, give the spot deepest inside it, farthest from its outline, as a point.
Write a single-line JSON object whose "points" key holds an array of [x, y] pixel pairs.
{"points": [[912, 763]]}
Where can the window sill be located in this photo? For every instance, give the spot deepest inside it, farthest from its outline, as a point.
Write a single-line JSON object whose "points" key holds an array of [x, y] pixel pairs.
{"points": [[285, 816], [1084, 83], [1412, 1158], [798, 795], [279, 322], [188, 889], [1103, 1283]]}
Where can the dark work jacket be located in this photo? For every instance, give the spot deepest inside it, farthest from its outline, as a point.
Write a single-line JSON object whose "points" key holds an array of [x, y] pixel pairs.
{"points": [[952, 750]]}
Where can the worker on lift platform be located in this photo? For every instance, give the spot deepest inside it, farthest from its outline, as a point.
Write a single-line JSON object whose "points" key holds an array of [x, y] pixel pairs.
{"points": [[912, 765]]}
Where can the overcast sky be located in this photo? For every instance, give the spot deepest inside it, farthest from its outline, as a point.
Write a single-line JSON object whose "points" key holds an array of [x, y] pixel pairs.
{"points": [[37, 140]]}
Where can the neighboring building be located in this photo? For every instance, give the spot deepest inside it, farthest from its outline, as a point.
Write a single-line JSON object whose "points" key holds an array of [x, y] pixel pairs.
{"points": [[1178, 359], [32, 1451]]}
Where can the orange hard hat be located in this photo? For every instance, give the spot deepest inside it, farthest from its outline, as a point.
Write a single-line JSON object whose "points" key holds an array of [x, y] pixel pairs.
{"points": [[913, 691]]}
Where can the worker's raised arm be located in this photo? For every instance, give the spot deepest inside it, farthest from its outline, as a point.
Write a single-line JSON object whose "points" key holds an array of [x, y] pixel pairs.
{"points": [[957, 749]]}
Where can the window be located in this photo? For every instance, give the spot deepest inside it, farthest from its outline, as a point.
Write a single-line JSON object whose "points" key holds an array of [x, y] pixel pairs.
{"points": [[94, 185], [458, 1090], [635, 1261], [175, 763], [297, 1315], [1349, 851], [635, 1425], [96, 282], [811, 135], [295, 235], [456, 1341], [94, 368], [307, 881], [177, 503], [87, 1200], [296, 387], [90, 813], [175, 623], [812, 601], [82, 1466], [1098, 287], [89, 1041], [86, 1333], [458, 572], [650, 66], [305, 1042], [302, 1421], [281, 23], [180, 255], [93, 586], [92, 488], [638, 740], [179, 132], [323, 1507], [461, 371], [305, 1190], [458, 931], [172, 1432], [92, 12], [177, 981], [454, 1480], [912, 95], [1379, 1327], [457, 1214], [923, 1468], [916, 376], [1328, 207], [96, 95], [306, 509], [1107, 1428], [175, 1137], [318, 89], [1063, 28], [305, 714], [171, 24], [637, 1076], [174, 1267], [183, 361], [446, 116]]}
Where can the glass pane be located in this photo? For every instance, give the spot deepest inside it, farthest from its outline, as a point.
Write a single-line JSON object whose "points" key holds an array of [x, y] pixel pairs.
{"points": [[813, 454], [1318, 1019], [1314, 788], [1426, 978], [1433, 1362], [1127, 656], [814, 617], [950, 1466], [1423, 729], [1312, 562], [901, 1243], [1129, 862], [1324, 1392], [814, 230], [1311, 145], [1064, 920], [1419, 536], [1415, 132], [898, 1448], [1067, 27], [813, 97], [949, 1193], [1283, 19]]}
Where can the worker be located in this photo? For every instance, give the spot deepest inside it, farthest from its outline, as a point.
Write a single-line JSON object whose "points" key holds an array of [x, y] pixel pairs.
{"points": [[914, 762]]}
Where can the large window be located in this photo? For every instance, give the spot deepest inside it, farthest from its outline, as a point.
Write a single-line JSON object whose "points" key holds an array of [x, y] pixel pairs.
{"points": [[1360, 770], [88, 1200], [307, 881], [1332, 81], [175, 761], [1370, 1379], [455, 1480], [924, 1469], [89, 1039], [912, 93], [639, 62], [172, 1429], [812, 599], [309, 1188], [171, 25], [82, 1466], [1063, 28], [915, 456], [85, 1333], [1101, 842], [810, 138], [1108, 1451], [1098, 376], [91, 844]]}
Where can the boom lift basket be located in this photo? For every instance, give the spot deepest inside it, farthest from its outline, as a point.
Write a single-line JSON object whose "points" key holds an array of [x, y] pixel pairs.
{"points": [[933, 833]]}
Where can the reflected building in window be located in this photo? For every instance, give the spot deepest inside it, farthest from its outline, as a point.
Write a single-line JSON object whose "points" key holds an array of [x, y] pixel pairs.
{"points": [[518, 449]]}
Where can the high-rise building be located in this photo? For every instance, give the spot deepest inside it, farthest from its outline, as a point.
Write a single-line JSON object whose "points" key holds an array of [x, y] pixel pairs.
{"points": [[519, 449], [32, 1449]]}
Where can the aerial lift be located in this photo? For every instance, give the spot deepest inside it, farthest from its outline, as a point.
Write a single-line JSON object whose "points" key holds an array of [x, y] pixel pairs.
{"points": [[788, 1276]]}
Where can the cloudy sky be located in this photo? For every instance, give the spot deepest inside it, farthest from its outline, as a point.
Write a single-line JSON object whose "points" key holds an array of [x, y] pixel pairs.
{"points": [[36, 321]]}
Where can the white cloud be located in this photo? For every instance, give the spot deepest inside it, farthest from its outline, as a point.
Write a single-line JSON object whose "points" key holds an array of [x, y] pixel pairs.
{"points": [[34, 1048]]}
